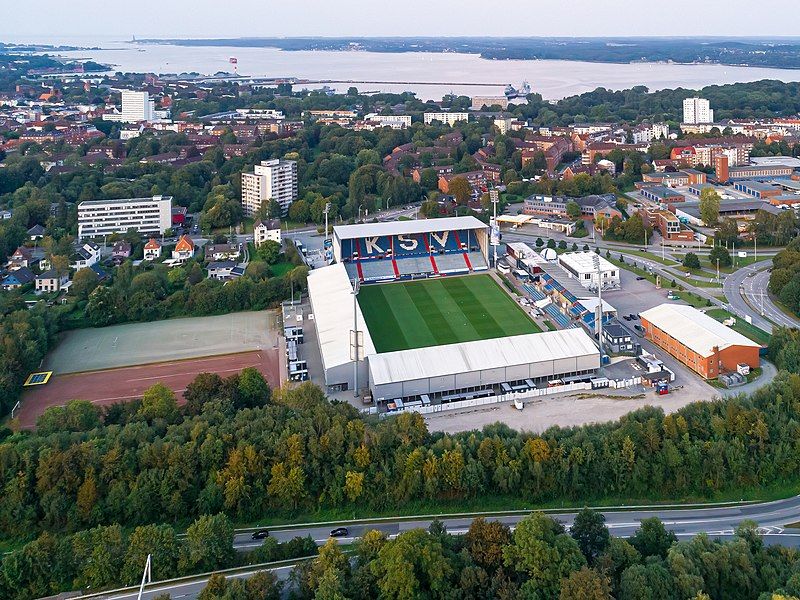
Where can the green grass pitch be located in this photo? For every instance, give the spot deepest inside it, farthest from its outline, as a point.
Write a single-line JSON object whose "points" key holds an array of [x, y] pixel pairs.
{"points": [[434, 312]]}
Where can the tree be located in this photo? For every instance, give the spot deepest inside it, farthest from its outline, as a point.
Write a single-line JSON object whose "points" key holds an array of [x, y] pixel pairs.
{"points": [[253, 388], [460, 188], [573, 210], [269, 251], [551, 243], [727, 232], [709, 206], [485, 541], [539, 242], [543, 551], [719, 253], [650, 582], [208, 545], [158, 402], [300, 211], [690, 261], [414, 565], [83, 283], [158, 540], [590, 532], [652, 538], [586, 584]]}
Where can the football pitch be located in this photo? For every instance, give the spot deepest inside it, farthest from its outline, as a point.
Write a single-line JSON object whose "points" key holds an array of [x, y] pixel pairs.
{"points": [[434, 312]]}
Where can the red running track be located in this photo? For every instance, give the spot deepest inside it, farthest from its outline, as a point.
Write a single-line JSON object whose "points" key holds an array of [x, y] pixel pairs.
{"points": [[126, 383]]}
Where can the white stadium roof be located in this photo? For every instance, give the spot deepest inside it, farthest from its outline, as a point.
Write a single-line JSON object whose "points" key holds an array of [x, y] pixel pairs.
{"points": [[465, 357], [349, 232], [331, 296], [695, 330]]}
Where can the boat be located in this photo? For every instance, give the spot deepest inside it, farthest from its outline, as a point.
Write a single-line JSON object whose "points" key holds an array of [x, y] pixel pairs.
{"points": [[522, 92]]}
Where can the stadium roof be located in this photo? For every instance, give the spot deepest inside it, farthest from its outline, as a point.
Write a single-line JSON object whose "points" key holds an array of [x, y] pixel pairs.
{"points": [[695, 330], [480, 355], [349, 232], [331, 296]]}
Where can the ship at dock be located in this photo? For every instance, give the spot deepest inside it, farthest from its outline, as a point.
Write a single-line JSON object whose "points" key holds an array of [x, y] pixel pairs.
{"points": [[522, 92]]}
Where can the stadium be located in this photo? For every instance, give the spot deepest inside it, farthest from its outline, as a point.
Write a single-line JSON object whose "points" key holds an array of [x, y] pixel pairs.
{"points": [[432, 322]]}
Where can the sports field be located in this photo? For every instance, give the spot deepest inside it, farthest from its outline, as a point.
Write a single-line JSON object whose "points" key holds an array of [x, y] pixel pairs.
{"points": [[434, 312]]}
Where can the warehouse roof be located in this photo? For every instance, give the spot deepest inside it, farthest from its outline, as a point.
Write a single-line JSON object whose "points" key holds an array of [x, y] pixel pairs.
{"points": [[452, 359], [349, 232], [695, 330], [331, 296]]}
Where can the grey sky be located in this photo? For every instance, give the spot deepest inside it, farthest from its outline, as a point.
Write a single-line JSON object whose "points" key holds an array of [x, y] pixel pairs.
{"points": [[46, 19]]}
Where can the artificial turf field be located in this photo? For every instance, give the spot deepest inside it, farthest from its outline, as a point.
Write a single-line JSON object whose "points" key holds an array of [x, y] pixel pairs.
{"points": [[434, 312]]}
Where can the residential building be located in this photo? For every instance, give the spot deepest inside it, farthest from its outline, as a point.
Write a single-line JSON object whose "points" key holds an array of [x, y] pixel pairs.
{"points": [[22, 257], [476, 179], [16, 279], [393, 121], [152, 249], [584, 266], [266, 230], [97, 218], [85, 255], [219, 252], [136, 107], [221, 270], [448, 118], [646, 132], [51, 281], [120, 251], [184, 249], [700, 342], [756, 171], [697, 110], [36, 232], [271, 180]]}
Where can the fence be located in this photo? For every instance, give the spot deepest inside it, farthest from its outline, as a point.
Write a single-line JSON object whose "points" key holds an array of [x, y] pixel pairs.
{"points": [[510, 397]]}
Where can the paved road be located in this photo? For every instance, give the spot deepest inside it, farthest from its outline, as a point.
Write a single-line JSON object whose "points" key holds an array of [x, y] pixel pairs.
{"points": [[746, 290], [718, 521]]}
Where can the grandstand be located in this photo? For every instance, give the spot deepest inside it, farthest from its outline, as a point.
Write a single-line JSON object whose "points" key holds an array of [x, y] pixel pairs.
{"points": [[380, 252]]}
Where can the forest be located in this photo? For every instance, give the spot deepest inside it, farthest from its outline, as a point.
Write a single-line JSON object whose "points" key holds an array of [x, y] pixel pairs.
{"points": [[241, 451]]}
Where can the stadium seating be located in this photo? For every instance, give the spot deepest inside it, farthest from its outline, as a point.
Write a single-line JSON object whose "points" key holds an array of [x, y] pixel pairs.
{"points": [[559, 317], [533, 292], [385, 258]]}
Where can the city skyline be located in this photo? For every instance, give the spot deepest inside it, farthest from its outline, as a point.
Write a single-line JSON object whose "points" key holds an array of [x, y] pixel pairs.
{"points": [[581, 18]]}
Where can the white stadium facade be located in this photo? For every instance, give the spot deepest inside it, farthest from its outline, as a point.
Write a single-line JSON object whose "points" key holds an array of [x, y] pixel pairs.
{"points": [[453, 246]]}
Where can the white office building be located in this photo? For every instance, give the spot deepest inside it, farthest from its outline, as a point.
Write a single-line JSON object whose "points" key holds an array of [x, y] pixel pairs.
{"points": [[448, 118], [136, 107], [697, 111], [152, 216], [271, 180], [583, 266]]}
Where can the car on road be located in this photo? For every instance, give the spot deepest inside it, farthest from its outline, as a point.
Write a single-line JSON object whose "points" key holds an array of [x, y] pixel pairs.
{"points": [[626, 317], [639, 328], [339, 532], [639, 278], [260, 534], [632, 316]]}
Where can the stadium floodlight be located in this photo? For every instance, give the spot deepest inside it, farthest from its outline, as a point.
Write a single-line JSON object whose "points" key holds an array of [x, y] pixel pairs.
{"points": [[356, 336], [327, 208]]}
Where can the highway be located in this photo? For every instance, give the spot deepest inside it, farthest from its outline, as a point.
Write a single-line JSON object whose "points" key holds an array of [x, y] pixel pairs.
{"points": [[715, 520], [746, 290]]}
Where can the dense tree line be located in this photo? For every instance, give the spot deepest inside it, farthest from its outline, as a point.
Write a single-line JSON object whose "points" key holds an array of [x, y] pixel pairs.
{"points": [[784, 280], [110, 557], [298, 452], [540, 560]]}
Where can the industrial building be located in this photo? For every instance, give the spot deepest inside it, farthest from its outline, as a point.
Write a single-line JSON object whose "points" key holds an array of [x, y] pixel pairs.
{"points": [[701, 343], [461, 368]]}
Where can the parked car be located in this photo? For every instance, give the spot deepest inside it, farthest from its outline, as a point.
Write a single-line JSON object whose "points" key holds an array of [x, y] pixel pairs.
{"points": [[639, 278], [633, 316], [339, 532], [260, 534]]}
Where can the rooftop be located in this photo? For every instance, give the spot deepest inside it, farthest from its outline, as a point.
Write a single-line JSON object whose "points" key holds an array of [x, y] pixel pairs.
{"points": [[349, 232], [694, 329], [331, 296], [466, 357], [584, 262]]}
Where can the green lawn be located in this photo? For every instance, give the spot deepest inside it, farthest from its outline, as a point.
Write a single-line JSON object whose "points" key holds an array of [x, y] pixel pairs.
{"points": [[746, 329], [433, 312]]}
